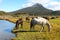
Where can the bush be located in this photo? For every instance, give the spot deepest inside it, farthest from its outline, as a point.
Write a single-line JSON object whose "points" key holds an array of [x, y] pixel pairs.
{"points": [[57, 16], [53, 17]]}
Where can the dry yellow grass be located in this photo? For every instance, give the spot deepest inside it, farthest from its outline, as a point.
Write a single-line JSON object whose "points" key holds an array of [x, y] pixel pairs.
{"points": [[53, 35]]}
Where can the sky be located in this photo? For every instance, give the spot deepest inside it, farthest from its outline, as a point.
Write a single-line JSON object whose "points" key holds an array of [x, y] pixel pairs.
{"points": [[12, 5]]}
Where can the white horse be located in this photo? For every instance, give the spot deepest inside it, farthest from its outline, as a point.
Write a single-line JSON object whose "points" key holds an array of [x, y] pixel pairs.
{"points": [[41, 21]]}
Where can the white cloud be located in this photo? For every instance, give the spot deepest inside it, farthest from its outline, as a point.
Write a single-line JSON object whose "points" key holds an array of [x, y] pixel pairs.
{"points": [[53, 5], [50, 4], [39, 1], [27, 5], [31, 2]]}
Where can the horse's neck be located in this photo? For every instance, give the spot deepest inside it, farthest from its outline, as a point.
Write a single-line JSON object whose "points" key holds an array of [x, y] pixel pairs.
{"points": [[36, 19], [39, 18]]}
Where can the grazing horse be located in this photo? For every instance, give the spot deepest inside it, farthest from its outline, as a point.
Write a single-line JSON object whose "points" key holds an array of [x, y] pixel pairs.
{"points": [[19, 21], [41, 21], [27, 19]]}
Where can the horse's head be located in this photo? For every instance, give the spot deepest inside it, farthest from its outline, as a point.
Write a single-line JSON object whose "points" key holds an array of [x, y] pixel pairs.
{"points": [[32, 17], [36, 17]]}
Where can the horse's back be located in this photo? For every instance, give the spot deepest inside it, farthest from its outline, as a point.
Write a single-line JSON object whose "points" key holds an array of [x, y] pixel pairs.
{"points": [[41, 20]]}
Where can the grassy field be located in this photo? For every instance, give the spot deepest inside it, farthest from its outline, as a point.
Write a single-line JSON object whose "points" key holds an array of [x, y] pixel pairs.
{"points": [[27, 35]]}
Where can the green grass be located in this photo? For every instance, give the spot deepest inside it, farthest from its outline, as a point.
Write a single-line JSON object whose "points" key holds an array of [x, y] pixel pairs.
{"points": [[37, 36], [53, 35]]}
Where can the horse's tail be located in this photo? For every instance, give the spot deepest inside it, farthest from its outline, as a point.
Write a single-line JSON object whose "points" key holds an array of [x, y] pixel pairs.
{"points": [[49, 26]]}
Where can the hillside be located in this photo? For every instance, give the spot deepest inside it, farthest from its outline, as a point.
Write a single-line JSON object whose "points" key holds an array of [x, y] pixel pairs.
{"points": [[56, 12], [3, 13], [36, 9]]}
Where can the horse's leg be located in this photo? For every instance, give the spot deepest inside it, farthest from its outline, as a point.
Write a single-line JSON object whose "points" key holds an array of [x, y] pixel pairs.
{"points": [[31, 26], [21, 25], [16, 25], [48, 24], [42, 27]]}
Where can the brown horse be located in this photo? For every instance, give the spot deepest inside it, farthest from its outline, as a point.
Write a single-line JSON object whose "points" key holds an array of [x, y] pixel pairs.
{"points": [[19, 21], [27, 19]]}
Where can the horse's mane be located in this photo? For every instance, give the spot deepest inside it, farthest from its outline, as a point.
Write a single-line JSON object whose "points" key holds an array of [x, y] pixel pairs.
{"points": [[40, 18]]}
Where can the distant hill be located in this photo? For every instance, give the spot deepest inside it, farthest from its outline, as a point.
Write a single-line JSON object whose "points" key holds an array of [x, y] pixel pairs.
{"points": [[56, 12], [36, 9], [3, 13]]}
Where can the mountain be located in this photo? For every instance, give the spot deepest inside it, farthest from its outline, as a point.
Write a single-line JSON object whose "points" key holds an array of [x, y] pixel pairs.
{"points": [[3, 13], [56, 12], [36, 9]]}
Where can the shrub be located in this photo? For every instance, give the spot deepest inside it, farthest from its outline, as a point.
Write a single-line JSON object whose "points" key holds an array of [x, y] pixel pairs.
{"points": [[53, 17]]}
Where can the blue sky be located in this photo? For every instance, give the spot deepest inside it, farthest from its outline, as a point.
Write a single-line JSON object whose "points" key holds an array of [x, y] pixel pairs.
{"points": [[12, 5]]}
